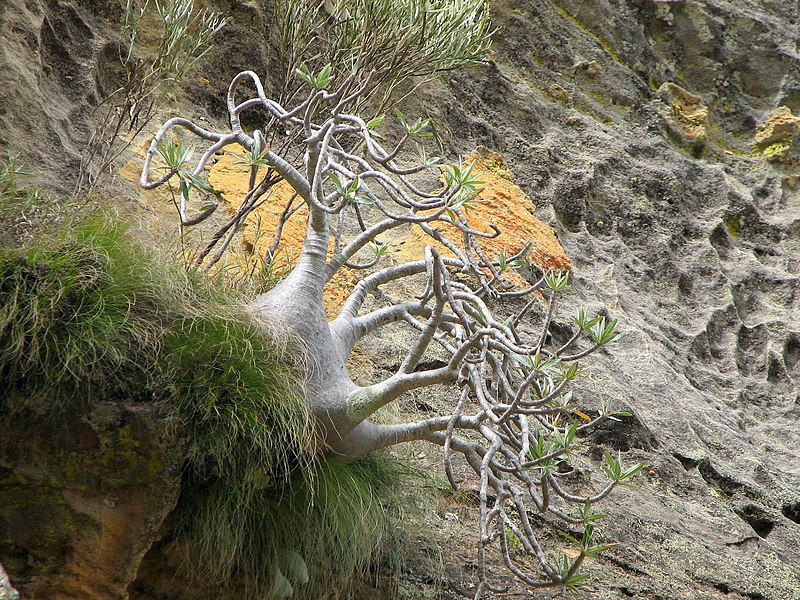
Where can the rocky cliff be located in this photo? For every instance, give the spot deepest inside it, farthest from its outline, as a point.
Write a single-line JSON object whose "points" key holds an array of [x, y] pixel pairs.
{"points": [[659, 139]]}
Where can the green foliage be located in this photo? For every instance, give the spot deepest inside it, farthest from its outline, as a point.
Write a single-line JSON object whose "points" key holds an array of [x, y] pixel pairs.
{"points": [[251, 158], [613, 468], [389, 40], [238, 396], [67, 323], [556, 280], [176, 156], [411, 37], [349, 190], [602, 333], [309, 536], [599, 331], [87, 312], [185, 38], [461, 177], [319, 81], [419, 128], [465, 185], [504, 262]]}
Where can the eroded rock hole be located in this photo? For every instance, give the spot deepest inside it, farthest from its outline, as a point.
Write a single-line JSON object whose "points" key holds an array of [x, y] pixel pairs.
{"points": [[757, 518], [791, 351], [687, 462], [724, 483], [775, 370], [625, 434], [791, 511]]}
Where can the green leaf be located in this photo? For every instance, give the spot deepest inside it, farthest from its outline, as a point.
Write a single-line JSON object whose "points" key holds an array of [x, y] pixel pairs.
{"points": [[566, 439], [382, 249], [251, 158], [577, 581], [463, 177], [502, 260], [614, 470], [571, 372], [588, 515], [198, 182], [582, 319], [318, 81], [376, 121], [337, 183], [363, 199], [428, 161], [183, 188], [556, 280], [401, 117], [305, 74], [598, 549], [174, 155], [324, 78], [603, 334]]}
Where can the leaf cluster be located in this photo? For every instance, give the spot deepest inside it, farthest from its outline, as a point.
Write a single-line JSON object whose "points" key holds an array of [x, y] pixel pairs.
{"points": [[176, 156], [389, 41]]}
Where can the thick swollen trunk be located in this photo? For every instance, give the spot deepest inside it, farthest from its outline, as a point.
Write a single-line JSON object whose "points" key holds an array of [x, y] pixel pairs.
{"points": [[340, 406], [296, 304]]}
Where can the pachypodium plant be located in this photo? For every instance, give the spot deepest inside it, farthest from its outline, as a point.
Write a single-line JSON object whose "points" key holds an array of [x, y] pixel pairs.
{"points": [[514, 417]]}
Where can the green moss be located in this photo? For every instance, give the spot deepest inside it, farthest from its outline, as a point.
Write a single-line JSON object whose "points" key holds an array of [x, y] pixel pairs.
{"points": [[35, 523], [118, 461], [734, 224]]}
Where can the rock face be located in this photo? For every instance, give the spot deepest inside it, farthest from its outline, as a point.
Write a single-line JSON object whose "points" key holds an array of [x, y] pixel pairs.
{"points": [[693, 243], [691, 238], [83, 497], [48, 60]]}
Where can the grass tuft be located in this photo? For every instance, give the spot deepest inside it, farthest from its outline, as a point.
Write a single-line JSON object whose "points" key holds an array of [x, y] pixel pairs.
{"points": [[68, 327], [238, 395], [314, 534]]}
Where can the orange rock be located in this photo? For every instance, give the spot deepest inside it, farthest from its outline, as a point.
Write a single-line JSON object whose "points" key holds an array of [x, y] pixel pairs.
{"points": [[256, 235], [501, 203]]}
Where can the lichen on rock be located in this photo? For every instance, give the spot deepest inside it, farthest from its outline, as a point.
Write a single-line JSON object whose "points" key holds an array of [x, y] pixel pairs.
{"points": [[685, 115], [775, 136]]}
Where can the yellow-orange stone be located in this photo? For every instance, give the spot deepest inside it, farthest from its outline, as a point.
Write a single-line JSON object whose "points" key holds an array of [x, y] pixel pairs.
{"points": [[502, 203], [231, 181], [780, 125]]}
